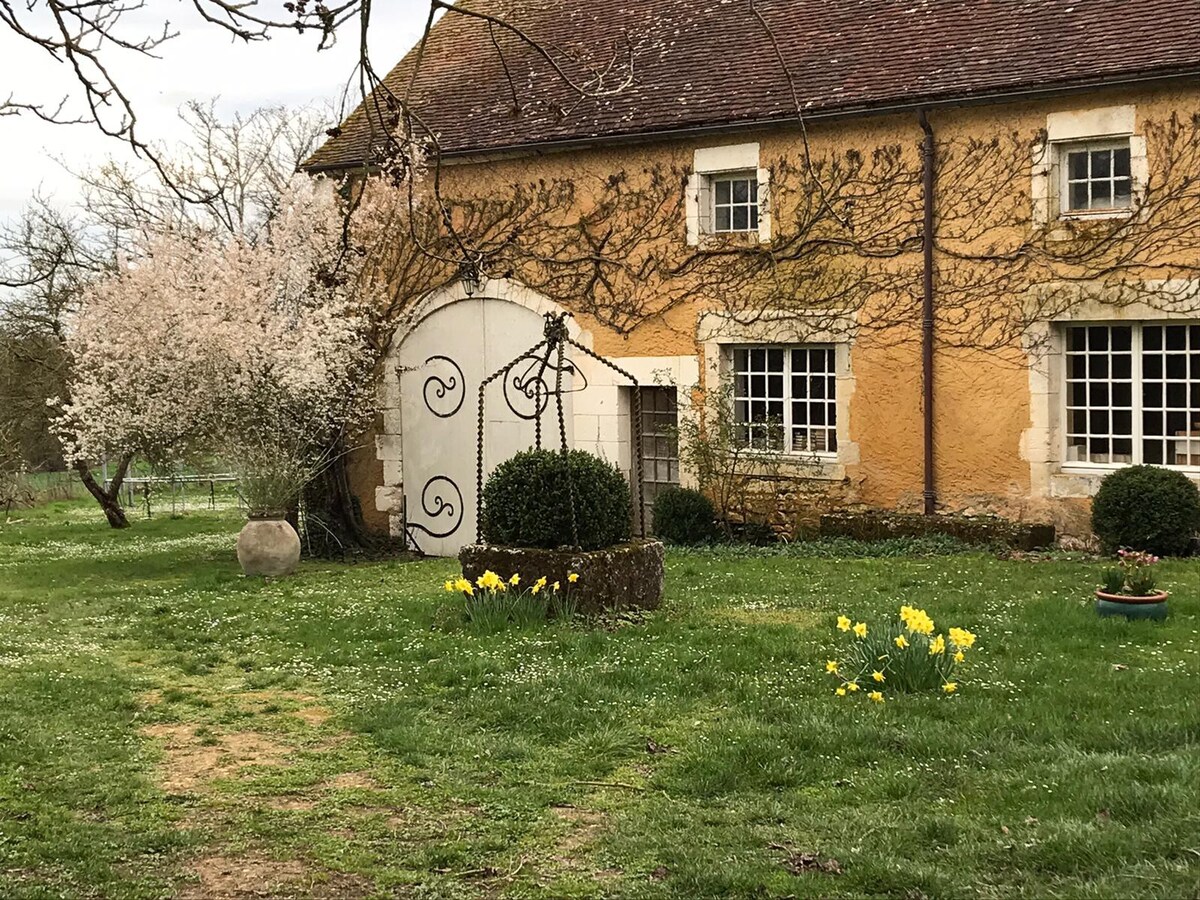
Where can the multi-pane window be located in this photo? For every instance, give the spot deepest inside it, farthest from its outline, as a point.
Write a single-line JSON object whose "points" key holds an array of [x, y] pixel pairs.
{"points": [[735, 202], [1098, 177], [785, 398], [1133, 394]]}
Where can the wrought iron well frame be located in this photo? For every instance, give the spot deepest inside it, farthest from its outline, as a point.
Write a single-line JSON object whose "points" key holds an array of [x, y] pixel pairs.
{"points": [[550, 353]]}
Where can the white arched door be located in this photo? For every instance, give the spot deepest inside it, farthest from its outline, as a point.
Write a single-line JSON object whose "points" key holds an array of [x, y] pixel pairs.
{"points": [[442, 363]]}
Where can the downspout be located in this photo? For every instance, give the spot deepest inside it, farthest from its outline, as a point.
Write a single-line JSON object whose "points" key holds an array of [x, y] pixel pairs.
{"points": [[929, 158]]}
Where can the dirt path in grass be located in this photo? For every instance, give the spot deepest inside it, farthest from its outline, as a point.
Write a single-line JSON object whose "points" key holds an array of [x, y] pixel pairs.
{"points": [[278, 800], [255, 771]]}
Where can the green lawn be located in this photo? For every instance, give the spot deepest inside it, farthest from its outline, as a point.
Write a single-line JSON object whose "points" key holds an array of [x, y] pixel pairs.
{"points": [[168, 727]]}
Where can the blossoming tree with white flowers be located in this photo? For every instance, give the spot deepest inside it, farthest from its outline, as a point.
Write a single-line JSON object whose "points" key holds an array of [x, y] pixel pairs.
{"points": [[255, 350]]}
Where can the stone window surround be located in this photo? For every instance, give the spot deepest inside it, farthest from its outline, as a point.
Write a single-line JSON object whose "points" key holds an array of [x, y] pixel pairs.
{"points": [[724, 160], [1043, 444], [1074, 127], [718, 334]]}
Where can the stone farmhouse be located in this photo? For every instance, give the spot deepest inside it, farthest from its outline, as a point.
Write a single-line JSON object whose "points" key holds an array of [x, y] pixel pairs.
{"points": [[938, 255]]}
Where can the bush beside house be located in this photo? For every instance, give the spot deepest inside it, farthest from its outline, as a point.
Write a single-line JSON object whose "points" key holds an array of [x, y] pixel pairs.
{"points": [[1147, 508]]}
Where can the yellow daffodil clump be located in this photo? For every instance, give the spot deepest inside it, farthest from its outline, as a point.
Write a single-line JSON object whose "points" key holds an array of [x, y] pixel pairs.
{"points": [[497, 601], [490, 581], [906, 656]]}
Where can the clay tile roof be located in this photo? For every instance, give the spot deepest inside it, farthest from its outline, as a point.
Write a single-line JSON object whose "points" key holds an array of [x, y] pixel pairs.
{"points": [[715, 63]]}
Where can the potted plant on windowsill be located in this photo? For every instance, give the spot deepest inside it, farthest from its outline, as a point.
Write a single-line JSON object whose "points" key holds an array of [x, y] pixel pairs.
{"points": [[1131, 589]]}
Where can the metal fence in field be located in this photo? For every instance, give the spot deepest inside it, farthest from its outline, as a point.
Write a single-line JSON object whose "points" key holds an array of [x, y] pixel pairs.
{"points": [[172, 494]]}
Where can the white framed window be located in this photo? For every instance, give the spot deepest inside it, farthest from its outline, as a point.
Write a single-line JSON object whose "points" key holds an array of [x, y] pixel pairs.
{"points": [[1097, 177], [734, 202], [1133, 395], [785, 397], [728, 192]]}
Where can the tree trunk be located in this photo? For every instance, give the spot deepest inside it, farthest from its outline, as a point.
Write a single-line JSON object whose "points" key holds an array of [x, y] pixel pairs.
{"points": [[333, 524], [109, 500]]}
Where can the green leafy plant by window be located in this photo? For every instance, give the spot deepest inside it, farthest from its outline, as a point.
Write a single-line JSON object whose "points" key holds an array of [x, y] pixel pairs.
{"points": [[1147, 508], [526, 501], [683, 516]]}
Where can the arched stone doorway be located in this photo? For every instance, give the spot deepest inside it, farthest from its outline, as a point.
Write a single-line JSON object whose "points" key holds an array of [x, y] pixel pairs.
{"points": [[431, 385]]}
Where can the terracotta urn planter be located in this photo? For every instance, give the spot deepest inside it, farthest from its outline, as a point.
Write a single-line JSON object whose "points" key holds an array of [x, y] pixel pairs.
{"points": [[268, 546], [1150, 606]]}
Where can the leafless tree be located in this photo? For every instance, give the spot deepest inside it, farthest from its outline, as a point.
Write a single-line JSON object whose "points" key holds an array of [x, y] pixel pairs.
{"points": [[87, 36], [236, 167]]}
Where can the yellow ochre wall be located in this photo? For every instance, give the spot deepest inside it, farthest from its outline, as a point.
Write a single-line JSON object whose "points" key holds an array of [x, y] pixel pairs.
{"points": [[983, 399]]}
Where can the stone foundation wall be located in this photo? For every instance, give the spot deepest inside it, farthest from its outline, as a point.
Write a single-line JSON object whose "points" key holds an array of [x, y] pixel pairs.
{"points": [[793, 507]]}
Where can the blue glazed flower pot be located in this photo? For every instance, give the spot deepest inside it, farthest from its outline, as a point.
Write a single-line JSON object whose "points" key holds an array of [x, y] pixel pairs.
{"points": [[1153, 607]]}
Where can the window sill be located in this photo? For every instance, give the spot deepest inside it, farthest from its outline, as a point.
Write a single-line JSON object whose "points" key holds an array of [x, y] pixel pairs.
{"points": [[1072, 226], [1092, 215], [797, 466], [1077, 480], [723, 240]]}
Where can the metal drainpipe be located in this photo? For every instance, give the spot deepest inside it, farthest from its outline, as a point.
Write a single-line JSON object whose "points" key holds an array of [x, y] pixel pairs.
{"points": [[929, 159]]}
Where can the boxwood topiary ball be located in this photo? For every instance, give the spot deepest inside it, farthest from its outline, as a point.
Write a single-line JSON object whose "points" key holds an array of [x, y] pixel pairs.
{"points": [[684, 516], [1147, 508], [525, 501]]}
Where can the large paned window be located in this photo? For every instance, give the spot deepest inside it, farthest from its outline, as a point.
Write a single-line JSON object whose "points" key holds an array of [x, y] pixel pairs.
{"points": [[1133, 395], [785, 398]]}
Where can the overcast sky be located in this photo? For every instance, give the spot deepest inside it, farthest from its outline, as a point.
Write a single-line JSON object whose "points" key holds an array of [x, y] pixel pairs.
{"points": [[202, 63]]}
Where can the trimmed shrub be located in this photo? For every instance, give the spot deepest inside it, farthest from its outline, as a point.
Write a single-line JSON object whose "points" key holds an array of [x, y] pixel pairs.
{"points": [[981, 530], [1147, 508], [525, 501], [683, 516]]}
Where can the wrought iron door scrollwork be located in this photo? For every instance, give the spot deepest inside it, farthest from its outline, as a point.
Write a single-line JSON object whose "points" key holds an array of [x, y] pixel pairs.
{"points": [[440, 499], [452, 386]]}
